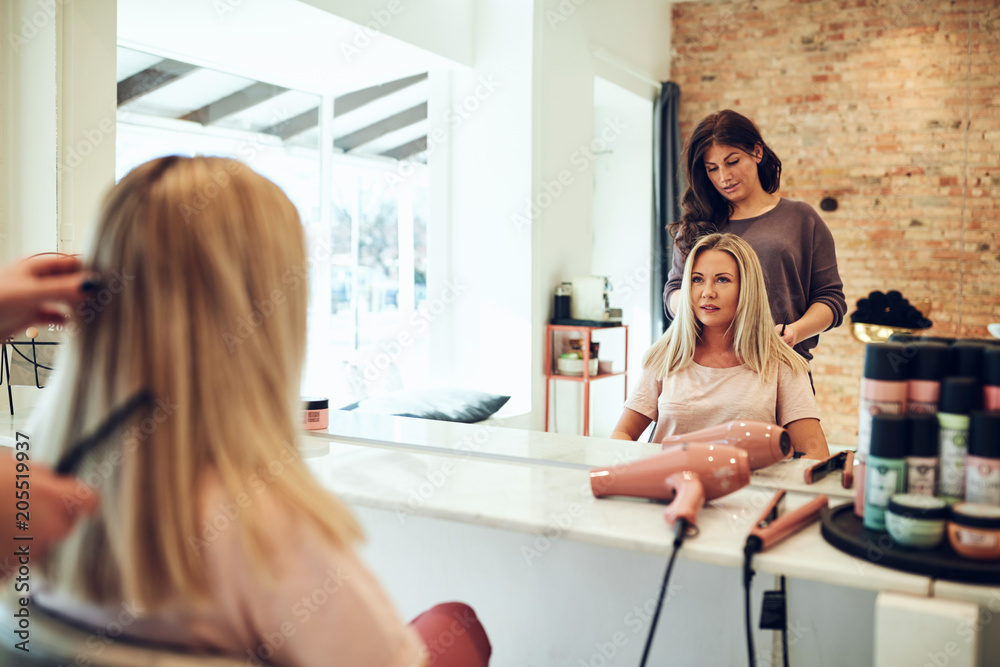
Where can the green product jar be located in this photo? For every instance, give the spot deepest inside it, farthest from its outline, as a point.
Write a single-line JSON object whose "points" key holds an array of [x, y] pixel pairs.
{"points": [[916, 521]]}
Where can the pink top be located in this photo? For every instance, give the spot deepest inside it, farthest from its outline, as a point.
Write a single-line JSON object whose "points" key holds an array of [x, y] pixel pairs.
{"points": [[698, 397], [325, 607]]}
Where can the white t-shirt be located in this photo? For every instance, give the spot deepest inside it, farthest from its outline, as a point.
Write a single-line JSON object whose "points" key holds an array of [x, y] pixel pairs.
{"points": [[698, 397]]}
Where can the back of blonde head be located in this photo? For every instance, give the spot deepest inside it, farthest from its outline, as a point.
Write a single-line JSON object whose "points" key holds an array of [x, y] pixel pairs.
{"points": [[756, 343], [203, 304]]}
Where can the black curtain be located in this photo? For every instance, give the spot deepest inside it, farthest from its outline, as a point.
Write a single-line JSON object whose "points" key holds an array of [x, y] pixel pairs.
{"points": [[668, 184]]}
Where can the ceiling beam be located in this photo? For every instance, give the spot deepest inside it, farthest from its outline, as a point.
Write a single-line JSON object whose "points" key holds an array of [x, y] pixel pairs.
{"points": [[235, 103], [290, 127], [349, 142], [151, 78], [408, 149], [351, 101]]}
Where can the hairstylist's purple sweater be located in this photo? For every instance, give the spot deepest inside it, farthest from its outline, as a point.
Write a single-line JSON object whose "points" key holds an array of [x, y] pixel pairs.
{"points": [[796, 251]]}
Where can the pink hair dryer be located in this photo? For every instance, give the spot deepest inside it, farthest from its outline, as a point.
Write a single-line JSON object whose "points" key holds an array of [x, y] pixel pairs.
{"points": [[686, 476], [764, 443]]}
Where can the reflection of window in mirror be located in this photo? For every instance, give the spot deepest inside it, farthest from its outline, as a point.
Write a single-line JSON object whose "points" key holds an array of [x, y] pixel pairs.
{"points": [[368, 243]]}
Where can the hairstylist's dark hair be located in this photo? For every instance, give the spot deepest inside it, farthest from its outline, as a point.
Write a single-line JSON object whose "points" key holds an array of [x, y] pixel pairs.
{"points": [[704, 209]]}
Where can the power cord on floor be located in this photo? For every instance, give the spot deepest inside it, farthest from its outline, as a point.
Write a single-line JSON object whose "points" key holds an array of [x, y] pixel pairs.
{"points": [[680, 532], [773, 609]]}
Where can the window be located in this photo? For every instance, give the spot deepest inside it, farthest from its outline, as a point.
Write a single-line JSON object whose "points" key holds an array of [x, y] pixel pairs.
{"points": [[367, 244]]}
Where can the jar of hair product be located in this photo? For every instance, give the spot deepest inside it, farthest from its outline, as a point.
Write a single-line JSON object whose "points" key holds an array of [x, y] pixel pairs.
{"points": [[315, 413], [974, 530], [916, 521]]}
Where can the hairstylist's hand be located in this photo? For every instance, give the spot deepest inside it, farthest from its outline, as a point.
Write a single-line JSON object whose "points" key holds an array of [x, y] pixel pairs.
{"points": [[28, 288], [787, 333], [55, 504]]}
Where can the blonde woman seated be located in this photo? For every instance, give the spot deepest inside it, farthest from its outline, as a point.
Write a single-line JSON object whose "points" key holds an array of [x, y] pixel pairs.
{"points": [[212, 535], [722, 358]]}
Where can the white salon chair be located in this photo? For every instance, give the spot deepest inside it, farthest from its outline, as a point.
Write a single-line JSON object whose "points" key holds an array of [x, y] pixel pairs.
{"points": [[53, 643]]}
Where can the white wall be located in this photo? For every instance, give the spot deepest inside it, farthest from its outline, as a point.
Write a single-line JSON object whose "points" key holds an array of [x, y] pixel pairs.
{"points": [[483, 340], [29, 56], [628, 43], [622, 227], [444, 27], [58, 143]]}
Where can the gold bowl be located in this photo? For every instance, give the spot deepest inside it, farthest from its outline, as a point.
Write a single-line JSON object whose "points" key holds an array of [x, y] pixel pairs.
{"points": [[876, 333]]}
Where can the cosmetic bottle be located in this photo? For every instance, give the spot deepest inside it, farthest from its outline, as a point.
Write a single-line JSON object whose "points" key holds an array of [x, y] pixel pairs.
{"points": [[982, 465], [991, 378], [958, 398], [885, 469], [938, 339], [883, 391], [966, 360], [923, 384], [922, 454]]}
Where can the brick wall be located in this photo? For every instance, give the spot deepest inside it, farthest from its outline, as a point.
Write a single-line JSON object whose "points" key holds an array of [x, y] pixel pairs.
{"points": [[891, 107]]}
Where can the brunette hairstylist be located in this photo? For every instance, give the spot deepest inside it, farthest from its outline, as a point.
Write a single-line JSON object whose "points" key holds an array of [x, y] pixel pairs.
{"points": [[732, 178]]}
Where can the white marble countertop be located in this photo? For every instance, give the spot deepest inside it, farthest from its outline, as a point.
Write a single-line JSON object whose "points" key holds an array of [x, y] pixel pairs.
{"points": [[537, 483], [519, 480]]}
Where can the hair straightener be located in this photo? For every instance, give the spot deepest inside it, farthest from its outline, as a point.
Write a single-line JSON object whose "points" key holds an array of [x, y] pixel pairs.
{"points": [[769, 529]]}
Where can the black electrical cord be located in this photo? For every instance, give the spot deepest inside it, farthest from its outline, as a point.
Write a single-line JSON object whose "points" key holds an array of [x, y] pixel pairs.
{"points": [[680, 532], [784, 629], [752, 547]]}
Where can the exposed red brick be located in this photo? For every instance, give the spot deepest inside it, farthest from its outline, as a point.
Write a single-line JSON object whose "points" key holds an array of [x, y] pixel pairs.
{"points": [[867, 100]]}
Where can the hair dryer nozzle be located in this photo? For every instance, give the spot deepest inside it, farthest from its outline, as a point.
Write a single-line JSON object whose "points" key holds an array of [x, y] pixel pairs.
{"points": [[765, 443]]}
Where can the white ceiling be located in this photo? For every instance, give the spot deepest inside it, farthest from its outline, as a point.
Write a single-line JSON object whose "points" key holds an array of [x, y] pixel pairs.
{"points": [[282, 42]]}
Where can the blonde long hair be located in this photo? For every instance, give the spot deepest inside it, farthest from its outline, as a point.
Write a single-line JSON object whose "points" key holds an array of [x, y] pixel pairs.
{"points": [[203, 304], [756, 343]]}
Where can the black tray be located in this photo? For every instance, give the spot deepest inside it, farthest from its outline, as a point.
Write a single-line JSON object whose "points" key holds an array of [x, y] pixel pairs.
{"points": [[844, 530]]}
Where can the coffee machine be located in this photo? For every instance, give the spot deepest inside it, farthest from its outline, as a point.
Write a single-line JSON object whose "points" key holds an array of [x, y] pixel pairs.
{"points": [[590, 300]]}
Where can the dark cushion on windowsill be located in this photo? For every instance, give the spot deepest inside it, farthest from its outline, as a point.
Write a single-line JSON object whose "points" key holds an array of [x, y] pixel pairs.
{"points": [[452, 405]]}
